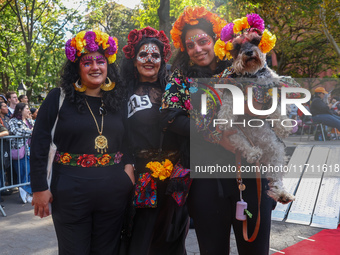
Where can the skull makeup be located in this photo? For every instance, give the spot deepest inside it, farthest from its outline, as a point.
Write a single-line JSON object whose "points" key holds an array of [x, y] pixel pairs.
{"points": [[149, 53]]}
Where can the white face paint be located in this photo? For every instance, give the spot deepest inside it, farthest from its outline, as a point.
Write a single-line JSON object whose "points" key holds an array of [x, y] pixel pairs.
{"points": [[149, 53]]}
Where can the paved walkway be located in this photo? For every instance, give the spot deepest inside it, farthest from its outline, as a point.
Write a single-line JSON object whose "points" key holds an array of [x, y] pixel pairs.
{"points": [[21, 233]]}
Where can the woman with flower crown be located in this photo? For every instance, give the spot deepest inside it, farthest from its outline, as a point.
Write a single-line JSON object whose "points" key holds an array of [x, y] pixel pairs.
{"points": [[160, 224], [211, 202], [92, 171]]}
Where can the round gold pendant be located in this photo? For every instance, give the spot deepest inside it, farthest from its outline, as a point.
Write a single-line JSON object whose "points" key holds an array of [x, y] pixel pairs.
{"points": [[101, 143], [241, 187]]}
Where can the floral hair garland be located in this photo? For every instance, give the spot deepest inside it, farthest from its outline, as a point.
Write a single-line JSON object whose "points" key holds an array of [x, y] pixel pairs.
{"points": [[252, 22], [191, 15], [90, 41], [161, 170], [136, 35]]}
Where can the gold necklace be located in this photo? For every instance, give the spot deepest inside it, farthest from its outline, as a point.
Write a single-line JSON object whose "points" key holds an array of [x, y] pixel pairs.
{"points": [[100, 142]]}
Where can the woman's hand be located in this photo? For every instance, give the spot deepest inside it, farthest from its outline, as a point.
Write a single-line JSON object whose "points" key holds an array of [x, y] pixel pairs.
{"points": [[225, 142], [129, 170], [40, 202]]}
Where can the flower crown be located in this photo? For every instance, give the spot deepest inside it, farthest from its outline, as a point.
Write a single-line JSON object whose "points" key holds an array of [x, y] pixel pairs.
{"points": [[191, 15], [90, 41], [136, 35], [232, 30]]}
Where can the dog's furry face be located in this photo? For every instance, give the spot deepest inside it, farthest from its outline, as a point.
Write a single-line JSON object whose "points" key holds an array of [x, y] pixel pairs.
{"points": [[248, 58]]}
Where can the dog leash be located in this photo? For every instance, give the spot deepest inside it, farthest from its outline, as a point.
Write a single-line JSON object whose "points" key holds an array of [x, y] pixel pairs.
{"points": [[242, 204]]}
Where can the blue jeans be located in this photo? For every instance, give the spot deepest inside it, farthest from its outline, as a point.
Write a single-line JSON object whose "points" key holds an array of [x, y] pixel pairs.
{"points": [[328, 120], [24, 166]]}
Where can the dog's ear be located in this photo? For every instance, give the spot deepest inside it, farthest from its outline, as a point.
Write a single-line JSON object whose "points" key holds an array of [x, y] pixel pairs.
{"points": [[256, 41], [255, 30], [254, 37]]}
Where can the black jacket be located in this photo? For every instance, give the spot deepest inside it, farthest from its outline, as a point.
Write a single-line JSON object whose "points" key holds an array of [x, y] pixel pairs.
{"points": [[319, 107]]}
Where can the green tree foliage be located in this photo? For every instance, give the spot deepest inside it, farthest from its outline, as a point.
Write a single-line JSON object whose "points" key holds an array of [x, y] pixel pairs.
{"points": [[148, 13], [32, 42], [114, 19], [302, 49]]}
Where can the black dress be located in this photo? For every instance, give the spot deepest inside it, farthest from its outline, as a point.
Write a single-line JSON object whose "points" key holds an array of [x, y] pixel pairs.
{"points": [[90, 194], [160, 230]]}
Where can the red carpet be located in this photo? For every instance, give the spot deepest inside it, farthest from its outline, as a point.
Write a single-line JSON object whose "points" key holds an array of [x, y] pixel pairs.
{"points": [[327, 242]]}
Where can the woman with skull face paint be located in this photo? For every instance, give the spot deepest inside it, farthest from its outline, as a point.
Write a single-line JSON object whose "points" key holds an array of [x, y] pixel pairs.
{"points": [[159, 225], [211, 202]]}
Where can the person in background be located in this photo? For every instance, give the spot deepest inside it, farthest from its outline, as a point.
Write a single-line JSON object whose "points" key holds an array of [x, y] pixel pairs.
{"points": [[3, 98], [34, 113], [321, 112], [335, 105], [3, 132], [23, 99], [12, 101], [4, 119], [92, 171], [21, 125]]}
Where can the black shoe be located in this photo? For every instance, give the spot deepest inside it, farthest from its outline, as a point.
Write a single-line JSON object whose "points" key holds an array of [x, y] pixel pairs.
{"points": [[6, 192]]}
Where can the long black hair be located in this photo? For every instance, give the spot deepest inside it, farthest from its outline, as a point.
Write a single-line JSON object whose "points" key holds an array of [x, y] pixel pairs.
{"points": [[182, 58], [113, 99], [129, 73]]}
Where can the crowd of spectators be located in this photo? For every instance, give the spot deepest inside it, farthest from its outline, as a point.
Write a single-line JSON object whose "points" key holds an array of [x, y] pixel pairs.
{"points": [[16, 118], [325, 109]]}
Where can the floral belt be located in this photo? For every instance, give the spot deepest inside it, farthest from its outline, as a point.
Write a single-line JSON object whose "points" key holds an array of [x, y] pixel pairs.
{"points": [[87, 160]]}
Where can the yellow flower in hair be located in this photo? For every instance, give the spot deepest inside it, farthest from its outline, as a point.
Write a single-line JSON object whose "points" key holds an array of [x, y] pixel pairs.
{"points": [[116, 40], [240, 24], [268, 41], [104, 39], [111, 58], [80, 41], [220, 49], [229, 47]]}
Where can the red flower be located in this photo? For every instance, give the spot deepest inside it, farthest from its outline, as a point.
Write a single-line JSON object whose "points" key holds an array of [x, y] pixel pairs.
{"points": [[87, 160], [134, 36], [149, 32], [162, 37], [129, 51], [167, 52]]}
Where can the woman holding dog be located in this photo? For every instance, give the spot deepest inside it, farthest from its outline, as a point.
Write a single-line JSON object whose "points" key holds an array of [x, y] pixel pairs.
{"points": [[211, 202], [160, 224]]}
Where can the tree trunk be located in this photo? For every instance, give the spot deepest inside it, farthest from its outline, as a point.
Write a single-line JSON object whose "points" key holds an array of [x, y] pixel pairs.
{"points": [[164, 17], [5, 82], [327, 33]]}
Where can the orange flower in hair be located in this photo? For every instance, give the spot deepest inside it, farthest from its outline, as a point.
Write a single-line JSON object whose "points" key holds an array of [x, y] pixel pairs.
{"points": [[191, 16]]}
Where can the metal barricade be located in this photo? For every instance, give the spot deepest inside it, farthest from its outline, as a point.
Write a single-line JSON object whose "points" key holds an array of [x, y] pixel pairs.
{"points": [[11, 175]]}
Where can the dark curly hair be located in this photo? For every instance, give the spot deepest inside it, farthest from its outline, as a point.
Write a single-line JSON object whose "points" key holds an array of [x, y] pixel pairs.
{"points": [[182, 58], [129, 73], [113, 99]]}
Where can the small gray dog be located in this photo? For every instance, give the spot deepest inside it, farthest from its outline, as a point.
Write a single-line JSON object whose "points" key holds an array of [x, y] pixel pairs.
{"points": [[250, 62]]}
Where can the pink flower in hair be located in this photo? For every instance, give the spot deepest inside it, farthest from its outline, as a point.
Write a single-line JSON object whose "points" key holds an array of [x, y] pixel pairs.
{"points": [[255, 21], [227, 32]]}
